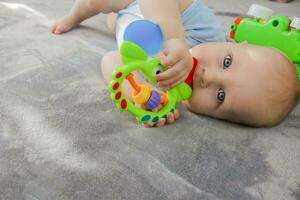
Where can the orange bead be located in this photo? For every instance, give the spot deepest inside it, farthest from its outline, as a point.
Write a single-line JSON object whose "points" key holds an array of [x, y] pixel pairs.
{"points": [[143, 95]]}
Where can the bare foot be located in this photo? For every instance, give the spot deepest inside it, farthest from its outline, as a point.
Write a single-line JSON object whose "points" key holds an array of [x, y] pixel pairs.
{"points": [[65, 24]]}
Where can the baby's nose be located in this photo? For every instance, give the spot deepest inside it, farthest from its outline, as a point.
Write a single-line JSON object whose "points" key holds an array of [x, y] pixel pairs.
{"points": [[204, 78]]}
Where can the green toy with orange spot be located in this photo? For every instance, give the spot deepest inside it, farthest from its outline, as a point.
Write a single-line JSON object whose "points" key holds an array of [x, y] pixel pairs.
{"points": [[275, 32]]}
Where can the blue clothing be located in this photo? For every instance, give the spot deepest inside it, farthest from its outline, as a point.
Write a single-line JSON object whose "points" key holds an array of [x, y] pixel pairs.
{"points": [[199, 23]]}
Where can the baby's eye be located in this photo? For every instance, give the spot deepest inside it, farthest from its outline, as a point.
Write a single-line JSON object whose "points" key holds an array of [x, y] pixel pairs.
{"points": [[221, 95], [227, 62]]}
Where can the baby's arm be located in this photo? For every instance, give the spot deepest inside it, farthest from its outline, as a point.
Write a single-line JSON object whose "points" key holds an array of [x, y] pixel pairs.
{"points": [[167, 14]]}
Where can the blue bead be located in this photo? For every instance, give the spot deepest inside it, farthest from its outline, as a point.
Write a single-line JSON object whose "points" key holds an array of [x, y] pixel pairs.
{"points": [[145, 118], [155, 119], [153, 101]]}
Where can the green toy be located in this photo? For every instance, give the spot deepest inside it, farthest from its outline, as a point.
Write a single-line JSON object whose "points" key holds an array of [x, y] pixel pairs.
{"points": [[135, 58], [275, 32]]}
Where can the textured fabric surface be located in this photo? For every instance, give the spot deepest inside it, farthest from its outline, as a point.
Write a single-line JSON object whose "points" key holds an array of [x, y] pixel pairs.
{"points": [[62, 138]]}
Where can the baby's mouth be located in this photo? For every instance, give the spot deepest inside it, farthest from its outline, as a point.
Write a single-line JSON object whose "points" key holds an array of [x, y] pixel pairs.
{"points": [[189, 79]]}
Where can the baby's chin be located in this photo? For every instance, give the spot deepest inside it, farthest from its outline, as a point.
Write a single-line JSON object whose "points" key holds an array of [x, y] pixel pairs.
{"points": [[189, 105]]}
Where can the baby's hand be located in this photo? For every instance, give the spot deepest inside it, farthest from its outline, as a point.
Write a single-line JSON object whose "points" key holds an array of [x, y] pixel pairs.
{"points": [[171, 117], [178, 57]]}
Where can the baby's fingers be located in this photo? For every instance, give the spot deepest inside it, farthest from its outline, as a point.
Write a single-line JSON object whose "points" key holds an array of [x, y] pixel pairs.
{"points": [[174, 76], [178, 81], [161, 122], [171, 117], [174, 71], [176, 114], [173, 81], [149, 125]]}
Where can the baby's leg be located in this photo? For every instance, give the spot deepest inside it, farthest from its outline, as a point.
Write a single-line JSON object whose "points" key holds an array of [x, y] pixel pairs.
{"points": [[111, 20], [83, 9], [111, 61]]}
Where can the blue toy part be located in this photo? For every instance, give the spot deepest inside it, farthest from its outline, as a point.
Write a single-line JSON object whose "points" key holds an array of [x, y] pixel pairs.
{"points": [[145, 34]]}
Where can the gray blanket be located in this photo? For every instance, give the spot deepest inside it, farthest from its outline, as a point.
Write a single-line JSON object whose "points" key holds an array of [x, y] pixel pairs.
{"points": [[62, 138]]}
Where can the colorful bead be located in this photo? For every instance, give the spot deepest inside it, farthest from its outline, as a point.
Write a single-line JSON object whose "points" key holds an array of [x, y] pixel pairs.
{"points": [[232, 34], [143, 95], [155, 119], [116, 86], [153, 101], [145, 118], [118, 95], [119, 75], [123, 104], [238, 20]]}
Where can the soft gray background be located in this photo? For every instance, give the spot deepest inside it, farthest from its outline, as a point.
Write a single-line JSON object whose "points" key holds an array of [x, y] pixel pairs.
{"points": [[62, 138]]}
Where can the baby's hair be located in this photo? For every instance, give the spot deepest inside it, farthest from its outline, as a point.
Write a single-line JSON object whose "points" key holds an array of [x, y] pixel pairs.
{"points": [[289, 95], [281, 94]]}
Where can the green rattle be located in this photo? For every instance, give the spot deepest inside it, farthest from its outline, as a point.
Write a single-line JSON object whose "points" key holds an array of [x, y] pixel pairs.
{"points": [[279, 32], [135, 58]]}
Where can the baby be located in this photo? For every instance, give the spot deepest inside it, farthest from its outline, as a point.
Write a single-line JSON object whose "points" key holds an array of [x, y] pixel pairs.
{"points": [[242, 83], [234, 82]]}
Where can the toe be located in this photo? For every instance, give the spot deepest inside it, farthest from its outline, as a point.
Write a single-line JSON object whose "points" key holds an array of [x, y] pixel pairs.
{"points": [[52, 29], [61, 29]]}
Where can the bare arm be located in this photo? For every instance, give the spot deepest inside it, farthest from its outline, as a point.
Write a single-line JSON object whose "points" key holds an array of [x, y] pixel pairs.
{"points": [[167, 14]]}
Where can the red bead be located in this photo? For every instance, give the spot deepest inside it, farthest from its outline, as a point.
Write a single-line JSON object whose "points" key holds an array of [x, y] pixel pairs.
{"points": [[123, 104], [119, 75], [116, 86], [118, 95], [232, 34], [238, 20]]}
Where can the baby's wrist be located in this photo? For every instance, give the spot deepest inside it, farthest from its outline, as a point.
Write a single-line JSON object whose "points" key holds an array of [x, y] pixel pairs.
{"points": [[176, 40]]}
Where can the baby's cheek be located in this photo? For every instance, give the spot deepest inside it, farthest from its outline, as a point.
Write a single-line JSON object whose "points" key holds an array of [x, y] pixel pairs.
{"points": [[194, 105], [187, 104]]}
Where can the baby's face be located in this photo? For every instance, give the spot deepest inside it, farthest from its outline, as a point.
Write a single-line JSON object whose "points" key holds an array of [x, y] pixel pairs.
{"points": [[231, 80]]}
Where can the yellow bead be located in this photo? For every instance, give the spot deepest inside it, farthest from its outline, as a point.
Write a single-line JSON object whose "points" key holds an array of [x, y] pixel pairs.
{"points": [[142, 96]]}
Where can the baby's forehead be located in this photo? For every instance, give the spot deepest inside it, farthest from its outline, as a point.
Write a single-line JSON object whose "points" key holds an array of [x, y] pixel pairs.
{"points": [[258, 59]]}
